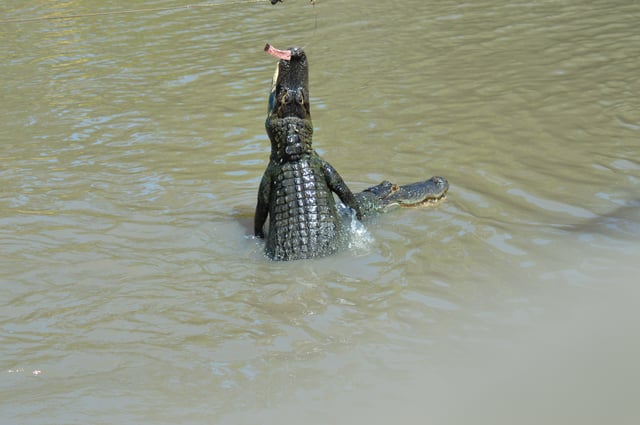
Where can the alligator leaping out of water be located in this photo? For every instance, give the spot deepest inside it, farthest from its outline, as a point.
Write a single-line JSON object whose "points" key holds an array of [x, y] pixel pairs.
{"points": [[296, 191]]}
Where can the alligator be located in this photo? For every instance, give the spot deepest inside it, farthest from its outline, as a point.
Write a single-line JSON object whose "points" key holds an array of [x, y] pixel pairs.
{"points": [[297, 189]]}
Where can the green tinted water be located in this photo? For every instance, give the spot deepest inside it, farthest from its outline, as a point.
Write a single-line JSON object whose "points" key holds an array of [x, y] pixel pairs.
{"points": [[132, 146]]}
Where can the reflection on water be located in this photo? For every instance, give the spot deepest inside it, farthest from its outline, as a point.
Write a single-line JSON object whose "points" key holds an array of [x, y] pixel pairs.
{"points": [[133, 146]]}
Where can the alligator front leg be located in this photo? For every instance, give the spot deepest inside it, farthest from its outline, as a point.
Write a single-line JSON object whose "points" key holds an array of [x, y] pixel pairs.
{"points": [[262, 207], [340, 188]]}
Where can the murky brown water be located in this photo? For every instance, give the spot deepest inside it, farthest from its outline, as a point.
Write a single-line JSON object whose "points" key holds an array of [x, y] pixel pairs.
{"points": [[132, 146]]}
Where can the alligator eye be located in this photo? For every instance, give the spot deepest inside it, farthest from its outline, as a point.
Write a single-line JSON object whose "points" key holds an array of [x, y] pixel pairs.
{"points": [[300, 97]]}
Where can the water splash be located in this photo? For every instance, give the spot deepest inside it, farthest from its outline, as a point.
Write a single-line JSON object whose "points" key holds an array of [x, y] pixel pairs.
{"points": [[360, 239]]}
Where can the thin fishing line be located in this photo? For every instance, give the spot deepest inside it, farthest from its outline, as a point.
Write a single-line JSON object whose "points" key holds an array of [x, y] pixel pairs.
{"points": [[128, 11], [315, 27]]}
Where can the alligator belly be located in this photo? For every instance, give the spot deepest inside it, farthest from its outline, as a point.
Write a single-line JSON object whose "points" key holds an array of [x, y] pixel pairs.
{"points": [[304, 221]]}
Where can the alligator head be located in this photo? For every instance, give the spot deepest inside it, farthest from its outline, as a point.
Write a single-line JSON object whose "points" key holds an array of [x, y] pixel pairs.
{"points": [[386, 195], [290, 87], [288, 122]]}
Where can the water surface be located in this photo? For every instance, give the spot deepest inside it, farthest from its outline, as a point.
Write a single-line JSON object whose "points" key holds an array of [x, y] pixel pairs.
{"points": [[132, 147]]}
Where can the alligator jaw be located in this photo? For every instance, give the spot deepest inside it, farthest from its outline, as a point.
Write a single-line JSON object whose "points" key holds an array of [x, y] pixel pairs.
{"points": [[427, 202], [419, 194]]}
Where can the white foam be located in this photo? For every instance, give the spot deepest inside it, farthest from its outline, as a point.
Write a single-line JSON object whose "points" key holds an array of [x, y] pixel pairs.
{"points": [[360, 239]]}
